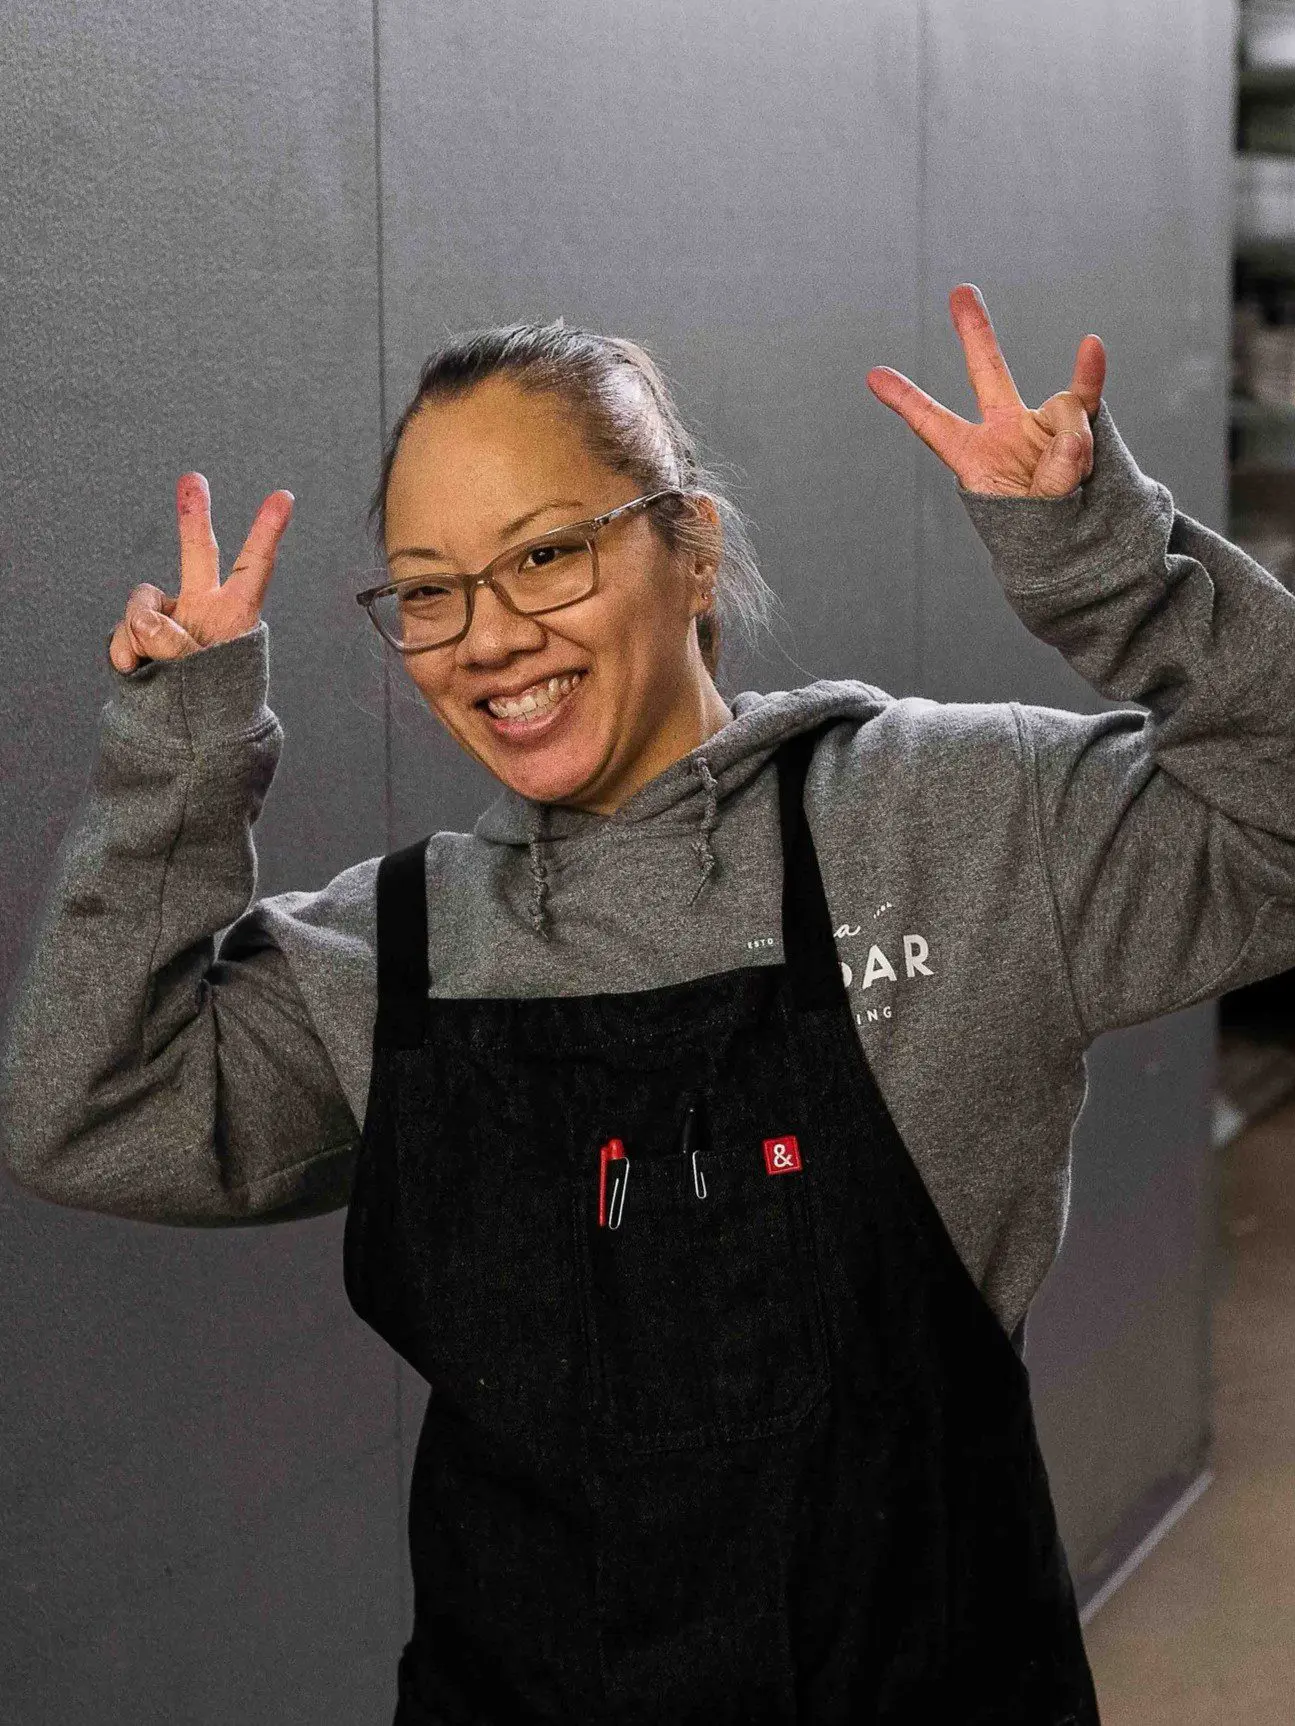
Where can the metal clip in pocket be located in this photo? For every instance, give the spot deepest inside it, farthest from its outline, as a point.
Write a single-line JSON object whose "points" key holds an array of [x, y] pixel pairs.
{"points": [[612, 1154], [690, 1150], [620, 1180]]}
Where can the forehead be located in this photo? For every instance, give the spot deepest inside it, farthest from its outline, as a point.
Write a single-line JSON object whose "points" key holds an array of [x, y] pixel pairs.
{"points": [[495, 432]]}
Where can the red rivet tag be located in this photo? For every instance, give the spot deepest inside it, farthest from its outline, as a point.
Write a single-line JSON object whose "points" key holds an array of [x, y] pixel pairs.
{"points": [[781, 1156]]}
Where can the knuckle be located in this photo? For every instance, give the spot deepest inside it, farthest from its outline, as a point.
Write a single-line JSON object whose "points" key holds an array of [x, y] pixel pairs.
{"points": [[195, 526]]}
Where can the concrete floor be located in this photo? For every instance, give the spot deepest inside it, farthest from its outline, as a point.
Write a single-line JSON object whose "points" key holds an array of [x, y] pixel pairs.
{"points": [[1203, 1633]]}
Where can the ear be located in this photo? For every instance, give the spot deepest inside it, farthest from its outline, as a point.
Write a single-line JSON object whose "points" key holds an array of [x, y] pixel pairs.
{"points": [[706, 563], [708, 512], [702, 583]]}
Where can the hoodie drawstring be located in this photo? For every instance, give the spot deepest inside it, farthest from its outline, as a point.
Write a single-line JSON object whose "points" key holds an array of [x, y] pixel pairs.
{"points": [[706, 858], [539, 874], [707, 861]]}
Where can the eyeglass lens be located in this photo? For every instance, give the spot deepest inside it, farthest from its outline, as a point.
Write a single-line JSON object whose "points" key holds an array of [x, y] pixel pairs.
{"points": [[424, 612]]}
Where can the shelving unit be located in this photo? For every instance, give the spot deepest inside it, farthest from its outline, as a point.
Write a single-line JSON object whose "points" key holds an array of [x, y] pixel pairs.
{"points": [[1262, 452], [1257, 1023]]}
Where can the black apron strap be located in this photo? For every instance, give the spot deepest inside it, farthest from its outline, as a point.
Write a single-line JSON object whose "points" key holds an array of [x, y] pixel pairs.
{"points": [[808, 940], [403, 981]]}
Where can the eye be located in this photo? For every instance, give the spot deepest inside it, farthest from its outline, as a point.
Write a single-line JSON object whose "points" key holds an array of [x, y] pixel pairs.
{"points": [[551, 552], [421, 590]]}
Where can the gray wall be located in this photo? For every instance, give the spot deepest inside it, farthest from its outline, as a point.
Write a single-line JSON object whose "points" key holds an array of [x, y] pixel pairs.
{"points": [[232, 233]]}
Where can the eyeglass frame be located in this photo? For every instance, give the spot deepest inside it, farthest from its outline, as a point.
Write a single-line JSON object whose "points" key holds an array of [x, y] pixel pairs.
{"points": [[487, 578]]}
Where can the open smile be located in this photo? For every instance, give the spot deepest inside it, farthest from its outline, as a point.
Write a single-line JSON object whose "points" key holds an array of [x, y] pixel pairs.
{"points": [[534, 711]]}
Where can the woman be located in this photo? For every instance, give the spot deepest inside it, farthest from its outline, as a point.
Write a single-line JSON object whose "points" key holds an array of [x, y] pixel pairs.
{"points": [[702, 1116]]}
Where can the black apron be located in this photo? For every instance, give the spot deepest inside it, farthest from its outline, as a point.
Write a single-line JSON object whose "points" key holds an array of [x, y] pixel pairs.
{"points": [[721, 1430]]}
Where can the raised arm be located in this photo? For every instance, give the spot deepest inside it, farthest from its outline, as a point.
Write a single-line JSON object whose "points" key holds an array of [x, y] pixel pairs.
{"points": [[141, 1076], [1165, 833]]}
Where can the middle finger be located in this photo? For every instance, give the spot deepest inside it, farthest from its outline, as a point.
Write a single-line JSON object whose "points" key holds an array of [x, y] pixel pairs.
{"points": [[986, 367]]}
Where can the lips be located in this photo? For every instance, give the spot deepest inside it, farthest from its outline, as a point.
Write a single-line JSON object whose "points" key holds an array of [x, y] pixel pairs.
{"points": [[535, 725], [539, 696]]}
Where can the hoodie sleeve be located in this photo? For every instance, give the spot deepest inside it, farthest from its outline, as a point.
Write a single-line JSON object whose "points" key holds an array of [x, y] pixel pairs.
{"points": [[142, 1075], [1166, 833]]}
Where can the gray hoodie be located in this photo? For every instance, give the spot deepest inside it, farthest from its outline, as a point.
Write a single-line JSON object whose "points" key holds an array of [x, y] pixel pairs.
{"points": [[1006, 881]]}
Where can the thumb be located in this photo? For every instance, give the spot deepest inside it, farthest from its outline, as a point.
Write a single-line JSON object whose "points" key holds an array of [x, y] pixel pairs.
{"points": [[1062, 466], [157, 636]]}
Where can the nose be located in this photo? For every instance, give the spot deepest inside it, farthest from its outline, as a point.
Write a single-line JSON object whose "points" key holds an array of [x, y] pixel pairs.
{"points": [[496, 631]]}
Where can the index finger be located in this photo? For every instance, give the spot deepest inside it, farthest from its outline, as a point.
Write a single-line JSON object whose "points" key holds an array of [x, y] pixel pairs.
{"points": [[990, 378], [199, 553], [254, 565], [939, 428]]}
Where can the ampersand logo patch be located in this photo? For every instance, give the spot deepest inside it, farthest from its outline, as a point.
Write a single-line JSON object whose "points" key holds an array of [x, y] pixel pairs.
{"points": [[781, 1156]]}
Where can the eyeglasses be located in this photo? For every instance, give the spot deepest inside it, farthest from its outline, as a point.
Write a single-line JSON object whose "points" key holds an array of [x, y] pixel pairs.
{"points": [[419, 612]]}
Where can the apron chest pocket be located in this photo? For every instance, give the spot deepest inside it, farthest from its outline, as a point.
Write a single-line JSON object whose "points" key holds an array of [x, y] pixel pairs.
{"points": [[703, 1316]]}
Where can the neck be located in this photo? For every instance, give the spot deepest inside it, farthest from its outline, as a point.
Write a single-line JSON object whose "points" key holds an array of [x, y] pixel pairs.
{"points": [[716, 713], [692, 726]]}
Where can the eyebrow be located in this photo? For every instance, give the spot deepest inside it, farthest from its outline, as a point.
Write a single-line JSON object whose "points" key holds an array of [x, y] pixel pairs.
{"points": [[504, 533]]}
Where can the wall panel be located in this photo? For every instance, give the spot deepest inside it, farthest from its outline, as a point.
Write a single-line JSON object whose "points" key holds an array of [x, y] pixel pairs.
{"points": [[200, 1492], [734, 188], [1076, 163]]}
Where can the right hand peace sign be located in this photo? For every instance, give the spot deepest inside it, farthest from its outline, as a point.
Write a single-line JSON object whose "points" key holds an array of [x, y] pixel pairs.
{"points": [[157, 626]]}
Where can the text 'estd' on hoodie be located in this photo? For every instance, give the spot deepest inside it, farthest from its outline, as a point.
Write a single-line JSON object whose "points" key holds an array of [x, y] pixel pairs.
{"points": [[1006, 881]]}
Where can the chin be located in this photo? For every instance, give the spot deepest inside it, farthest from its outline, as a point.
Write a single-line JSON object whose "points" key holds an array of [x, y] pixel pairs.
{"points": [[544, 775]]}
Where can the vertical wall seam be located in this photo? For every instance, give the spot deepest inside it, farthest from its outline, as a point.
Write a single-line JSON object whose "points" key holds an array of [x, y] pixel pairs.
{"points": [[921, 286], [387, 792], [388, 807]]}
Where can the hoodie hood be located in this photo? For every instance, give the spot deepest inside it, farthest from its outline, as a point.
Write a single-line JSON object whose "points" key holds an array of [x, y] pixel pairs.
{"points": [[689, 794]]}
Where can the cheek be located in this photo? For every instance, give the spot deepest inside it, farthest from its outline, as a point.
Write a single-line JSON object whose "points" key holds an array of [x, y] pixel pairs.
{"points": [[432, 684], [645, 627], [636, 653]]}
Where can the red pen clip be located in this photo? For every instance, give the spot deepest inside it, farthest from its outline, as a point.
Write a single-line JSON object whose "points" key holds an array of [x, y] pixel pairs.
{"points": [[612, 1152]]}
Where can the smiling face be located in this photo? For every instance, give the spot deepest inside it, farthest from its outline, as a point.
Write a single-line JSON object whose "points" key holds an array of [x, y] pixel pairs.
{"points": [[634, 695]]}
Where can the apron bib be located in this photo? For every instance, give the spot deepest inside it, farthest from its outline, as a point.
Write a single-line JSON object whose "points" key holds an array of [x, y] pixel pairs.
{"points": [[721, 1429]]}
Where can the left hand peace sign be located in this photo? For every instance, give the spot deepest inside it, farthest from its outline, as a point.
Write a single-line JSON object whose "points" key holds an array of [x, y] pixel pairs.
{"points": [[1016, 451]]}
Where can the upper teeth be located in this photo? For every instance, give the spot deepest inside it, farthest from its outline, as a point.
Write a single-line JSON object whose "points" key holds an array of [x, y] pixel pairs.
{"points": [[537, 699]]}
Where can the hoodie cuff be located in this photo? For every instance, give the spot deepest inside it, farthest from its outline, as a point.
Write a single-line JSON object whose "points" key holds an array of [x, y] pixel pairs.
{"points": [[1048, 541], [216, 695]]}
